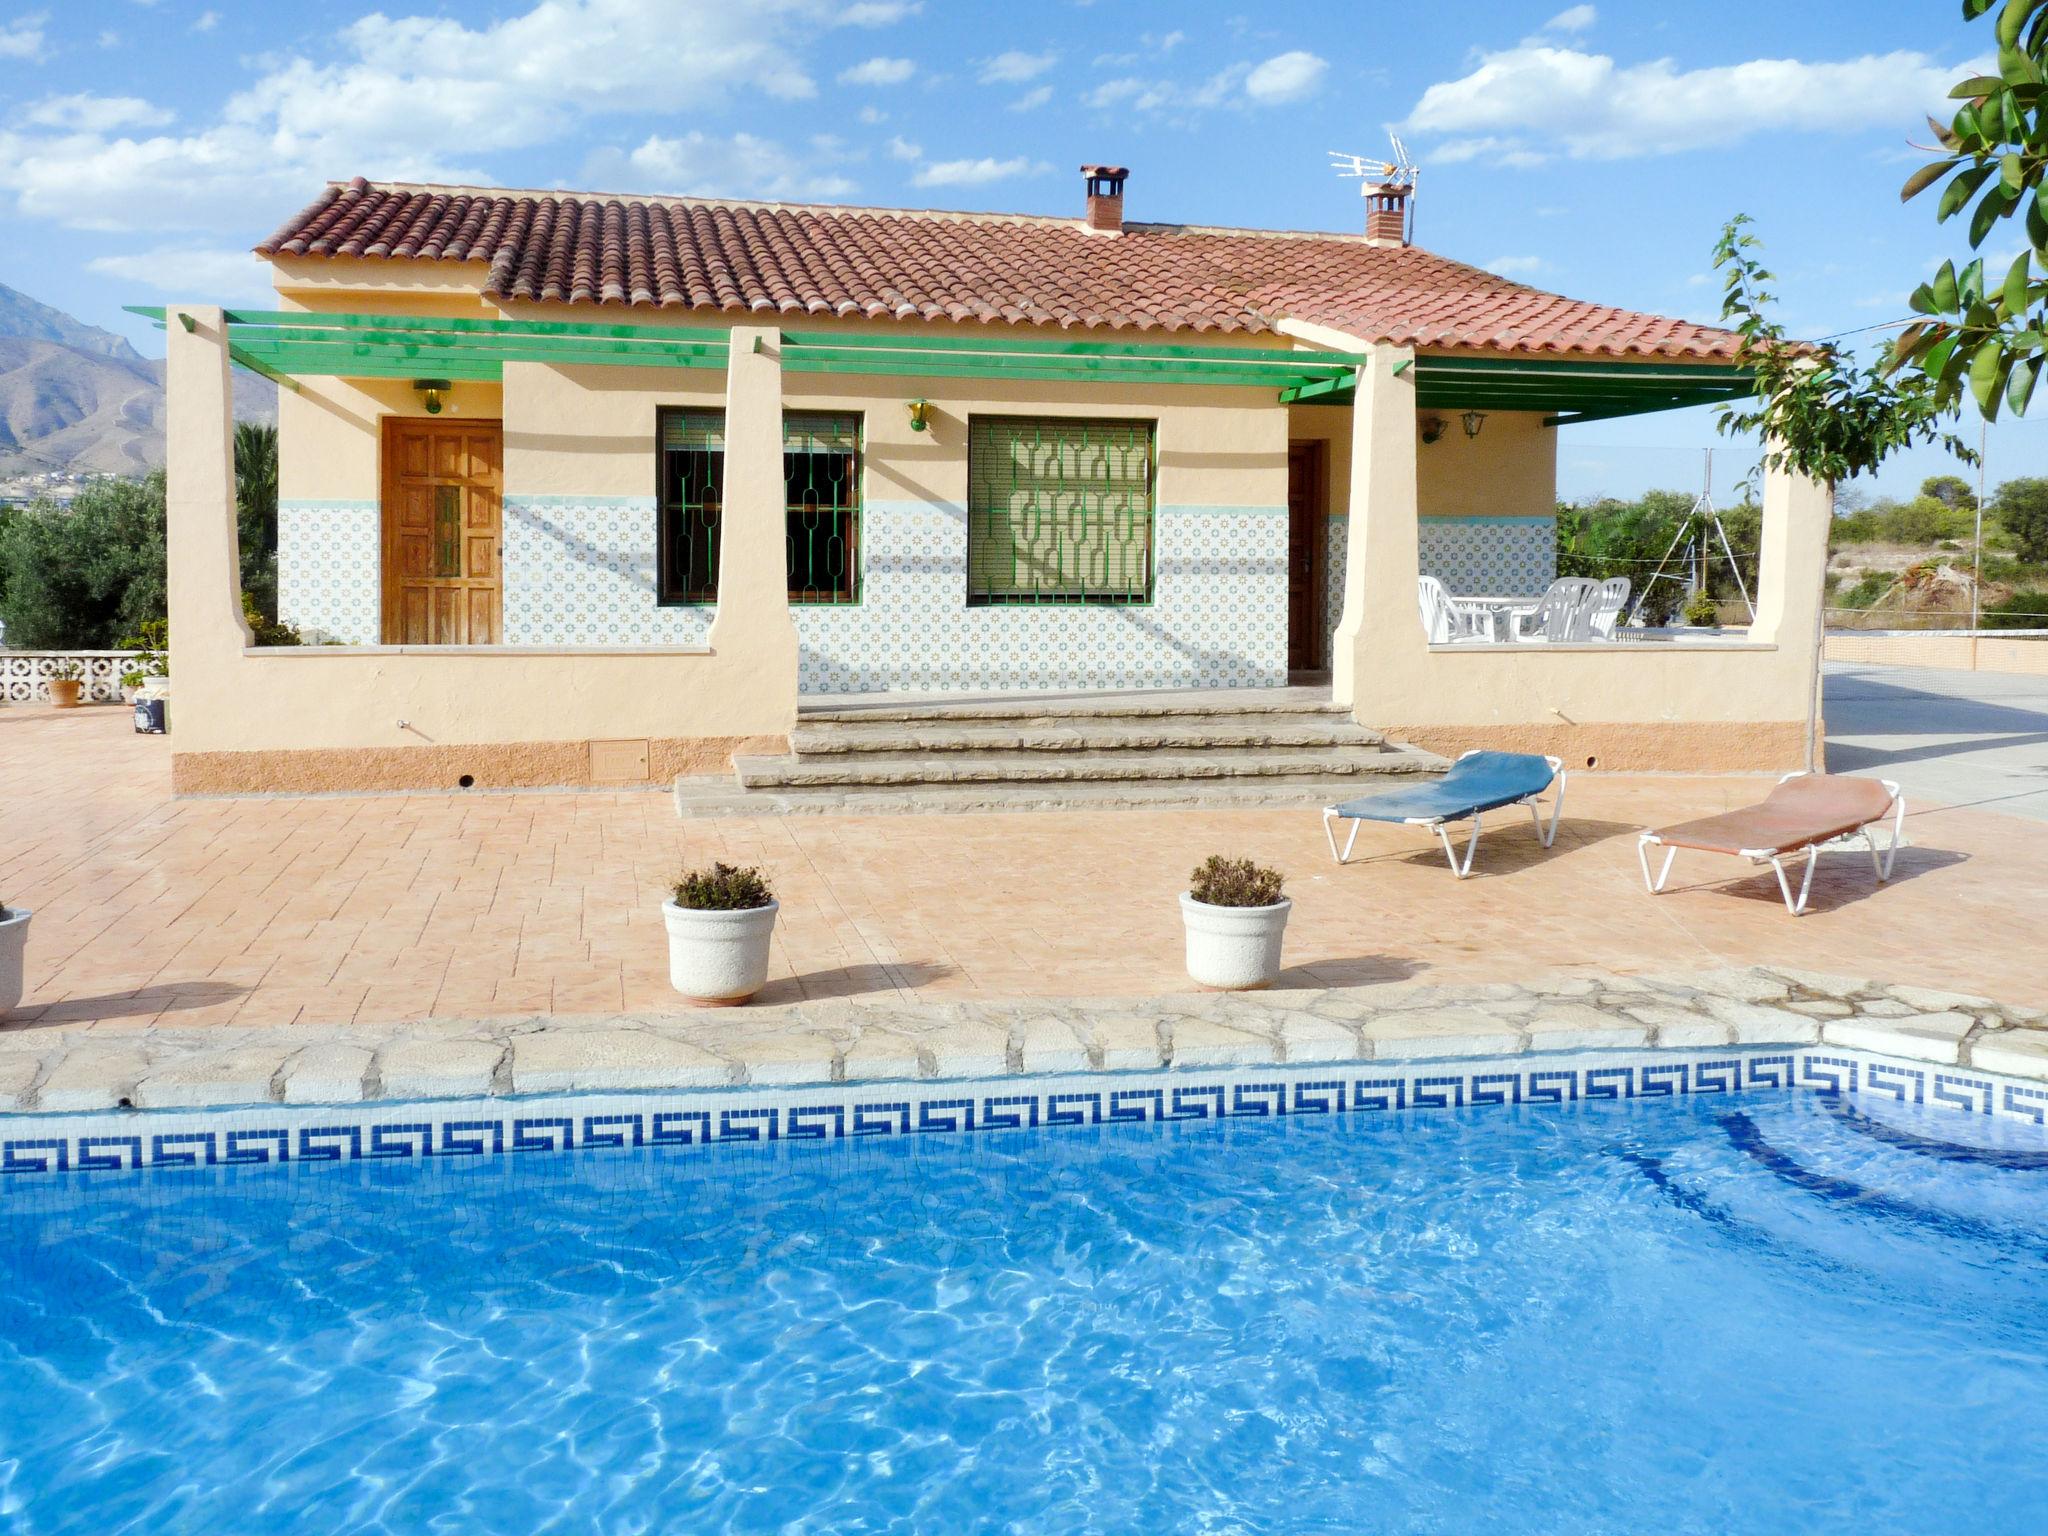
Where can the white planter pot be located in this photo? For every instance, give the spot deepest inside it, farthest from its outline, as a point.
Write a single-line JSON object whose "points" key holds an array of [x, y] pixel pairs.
{"points": [[13, 941], [1234, 949], [718, 957]]}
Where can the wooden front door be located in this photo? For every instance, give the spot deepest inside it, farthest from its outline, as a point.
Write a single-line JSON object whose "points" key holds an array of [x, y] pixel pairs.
{"points": [[1308, 532], [443, 526]]}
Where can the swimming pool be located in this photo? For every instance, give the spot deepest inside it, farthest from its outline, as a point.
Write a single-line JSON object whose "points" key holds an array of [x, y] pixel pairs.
{"points": [[1768, 1312]]}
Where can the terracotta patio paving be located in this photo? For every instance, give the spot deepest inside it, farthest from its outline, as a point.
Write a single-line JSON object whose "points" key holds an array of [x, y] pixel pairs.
{"points": [[390, 907]]}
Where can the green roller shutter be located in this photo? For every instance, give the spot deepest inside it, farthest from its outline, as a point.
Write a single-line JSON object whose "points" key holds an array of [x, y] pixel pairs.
{"points": [[1059, 510]]}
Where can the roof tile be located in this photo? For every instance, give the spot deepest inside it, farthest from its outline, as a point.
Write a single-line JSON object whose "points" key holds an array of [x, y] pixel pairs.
{"points": [[798, 259]]}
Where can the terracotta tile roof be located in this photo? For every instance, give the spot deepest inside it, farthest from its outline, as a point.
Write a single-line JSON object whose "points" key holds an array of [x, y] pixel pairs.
{"points": [[892, 264]]}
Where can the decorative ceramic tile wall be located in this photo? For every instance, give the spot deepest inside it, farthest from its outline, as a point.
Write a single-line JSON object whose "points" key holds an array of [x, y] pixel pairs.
{"points": [[1218, 618], [329, 561], [1490, 556], [32, 1145], [1335, 562], [580, 570]]}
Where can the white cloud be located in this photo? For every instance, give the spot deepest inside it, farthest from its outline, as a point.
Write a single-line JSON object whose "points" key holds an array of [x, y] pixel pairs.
{"points": [[1166, 44], [877, 13], [1015, 67], [191, 272], [901, 148], [1285, 77], [871, 115], [1536, 101], [1516, 266], [94, 114], [22, 38], [1575, 19], [1032, 100], [878, 72], [207, 21], [703, 165], [109, 38], [414, 98], [974, 173]]}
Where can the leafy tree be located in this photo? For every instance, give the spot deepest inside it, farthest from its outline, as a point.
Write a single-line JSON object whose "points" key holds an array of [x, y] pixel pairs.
{"points": [[1629, 538], [1820, 414], [1952, 491], [1984, 331], [256, 513], [80, 577], [2021, 507]]}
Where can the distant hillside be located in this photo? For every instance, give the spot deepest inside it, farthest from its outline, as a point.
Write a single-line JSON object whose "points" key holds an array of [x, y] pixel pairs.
{"points": [[74, 397]]}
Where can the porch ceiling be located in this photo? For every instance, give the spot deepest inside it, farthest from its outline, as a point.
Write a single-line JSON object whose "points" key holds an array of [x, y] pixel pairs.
{"points": [[1567, 390]]}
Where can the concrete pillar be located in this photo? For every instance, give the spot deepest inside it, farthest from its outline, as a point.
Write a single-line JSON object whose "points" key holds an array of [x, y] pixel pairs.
{"points": [[1384, 548], [753, 557], [204, 554], [1791, 582]]}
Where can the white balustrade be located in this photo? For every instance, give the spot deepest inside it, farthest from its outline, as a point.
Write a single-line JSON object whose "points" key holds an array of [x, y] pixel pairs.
{"points": [[25, 675]]}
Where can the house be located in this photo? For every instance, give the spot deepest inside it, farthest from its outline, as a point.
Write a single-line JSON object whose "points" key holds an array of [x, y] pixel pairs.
{"points": [[581, 488]]}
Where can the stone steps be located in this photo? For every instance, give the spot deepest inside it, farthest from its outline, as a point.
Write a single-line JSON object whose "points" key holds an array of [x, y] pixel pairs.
{"points": [[722, 797], [1218, 748], [875, 769]]}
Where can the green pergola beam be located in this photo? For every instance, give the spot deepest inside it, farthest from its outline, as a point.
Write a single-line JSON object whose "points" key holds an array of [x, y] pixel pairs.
{"points": [[1075, 370], [342, 358], [1003, 347], [361, 322], [1319, 389], [422, 343], [332, 363], [256, 365], [1531, 368]]}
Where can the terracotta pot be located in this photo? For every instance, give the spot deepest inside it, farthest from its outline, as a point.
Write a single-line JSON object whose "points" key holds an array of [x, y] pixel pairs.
{"points": [[64, 692]]}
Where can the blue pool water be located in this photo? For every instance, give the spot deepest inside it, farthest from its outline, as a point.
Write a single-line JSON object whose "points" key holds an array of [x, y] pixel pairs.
{"points": [[1774, 1313]]}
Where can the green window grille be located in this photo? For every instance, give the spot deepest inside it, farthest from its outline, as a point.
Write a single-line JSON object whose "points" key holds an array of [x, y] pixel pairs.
{"points": [[821, 471], [691, 449], [1059, 510]]}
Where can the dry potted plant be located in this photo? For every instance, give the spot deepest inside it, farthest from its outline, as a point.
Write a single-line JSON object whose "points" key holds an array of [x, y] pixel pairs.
{"points": [[13, 941], [1235, 917], [67, 679], [720, 921]]}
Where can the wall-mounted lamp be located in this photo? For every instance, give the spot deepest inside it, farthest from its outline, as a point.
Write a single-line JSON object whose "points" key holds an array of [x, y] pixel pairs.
{"points": [[430, 392], [1432, 428], [1473, 420], [920, 415]]}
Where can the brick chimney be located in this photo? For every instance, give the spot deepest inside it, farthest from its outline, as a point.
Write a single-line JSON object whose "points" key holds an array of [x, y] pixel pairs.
{"points": [[1105, 215], [1386, 214]]}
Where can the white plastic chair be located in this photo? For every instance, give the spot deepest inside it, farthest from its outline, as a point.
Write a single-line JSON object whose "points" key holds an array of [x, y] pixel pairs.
{"points": [[1608, 603], [1444, 621], [1565, 613]]}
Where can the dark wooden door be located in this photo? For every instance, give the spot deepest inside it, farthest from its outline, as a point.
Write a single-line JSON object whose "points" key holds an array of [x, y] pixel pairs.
{"points": [[1308, 531], [442, 531]]}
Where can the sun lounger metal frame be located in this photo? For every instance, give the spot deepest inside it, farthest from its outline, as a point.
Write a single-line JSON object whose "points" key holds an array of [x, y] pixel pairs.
{"points": [[1775, 857], [1547, 832]]}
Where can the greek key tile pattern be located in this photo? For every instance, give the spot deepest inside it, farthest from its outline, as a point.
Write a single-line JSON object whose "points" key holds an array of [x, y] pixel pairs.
{"points": [[329, 565], [1218, 619], [1490, 556], [32, 1146]]}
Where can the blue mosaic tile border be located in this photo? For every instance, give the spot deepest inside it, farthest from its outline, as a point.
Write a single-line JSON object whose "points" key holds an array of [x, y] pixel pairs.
{"points": [[32, 1146]]}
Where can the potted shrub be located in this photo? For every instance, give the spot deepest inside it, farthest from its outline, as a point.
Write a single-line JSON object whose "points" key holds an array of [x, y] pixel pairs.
{"points": [[1702, 612], [13, 941], [719, 923], [1235, 917], [67, 680]]}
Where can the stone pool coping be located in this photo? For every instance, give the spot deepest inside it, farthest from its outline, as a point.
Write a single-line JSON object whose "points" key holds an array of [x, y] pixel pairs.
{"points": [[64, 1071]]}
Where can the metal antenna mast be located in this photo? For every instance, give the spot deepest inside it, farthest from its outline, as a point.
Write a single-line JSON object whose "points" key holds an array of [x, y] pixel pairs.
{"points": [[1702, 523], [1399, 174]]}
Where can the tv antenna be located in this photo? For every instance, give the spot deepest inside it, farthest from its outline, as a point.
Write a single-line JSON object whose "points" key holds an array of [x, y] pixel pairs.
{"points": [[1395, 178], [1692, 548]]}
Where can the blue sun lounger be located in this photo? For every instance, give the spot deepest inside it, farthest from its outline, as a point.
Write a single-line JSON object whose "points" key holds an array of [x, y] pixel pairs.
{"points": [[1477, 783]]}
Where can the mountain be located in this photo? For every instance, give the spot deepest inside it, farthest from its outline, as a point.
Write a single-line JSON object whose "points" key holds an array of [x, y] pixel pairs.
{"points": [[81, 400]]}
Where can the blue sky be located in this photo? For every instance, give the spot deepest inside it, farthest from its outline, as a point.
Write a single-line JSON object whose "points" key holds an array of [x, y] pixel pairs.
{"points": [[1595, 149]]}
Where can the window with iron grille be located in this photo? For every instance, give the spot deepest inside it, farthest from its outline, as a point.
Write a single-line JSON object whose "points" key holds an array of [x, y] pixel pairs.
{"points": [[821, 470], [691, 447], [1059, 510]]}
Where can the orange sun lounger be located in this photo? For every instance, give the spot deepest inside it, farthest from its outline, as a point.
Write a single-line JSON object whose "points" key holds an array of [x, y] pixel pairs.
{"points": [[1801, 813]]}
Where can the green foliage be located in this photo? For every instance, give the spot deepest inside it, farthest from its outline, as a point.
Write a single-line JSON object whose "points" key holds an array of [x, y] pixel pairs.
{"points": [[1221, 882], [2023, 610], [75, 578], [1869, 587], [1628, 538], [1701, 609], [2021, 507], [1820, 415], [256, 515], [1952, 491], [1921, 521], [152, 640], [267, 631], [1984, 331], [722, 888]]}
